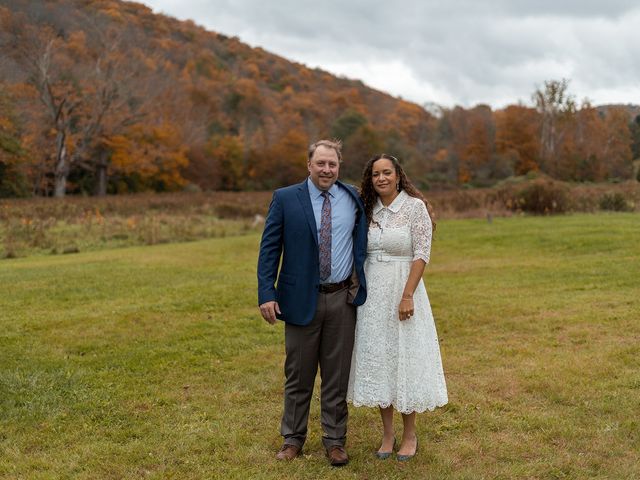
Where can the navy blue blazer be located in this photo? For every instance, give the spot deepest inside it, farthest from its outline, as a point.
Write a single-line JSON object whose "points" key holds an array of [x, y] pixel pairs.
{"points": [[290, 232]]}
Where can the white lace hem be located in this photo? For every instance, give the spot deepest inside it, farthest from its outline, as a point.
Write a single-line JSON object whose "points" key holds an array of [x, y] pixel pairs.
{"points": [[420, 408]]}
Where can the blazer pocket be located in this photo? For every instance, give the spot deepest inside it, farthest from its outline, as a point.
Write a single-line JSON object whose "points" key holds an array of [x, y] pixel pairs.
{"points": [[287, 279]]}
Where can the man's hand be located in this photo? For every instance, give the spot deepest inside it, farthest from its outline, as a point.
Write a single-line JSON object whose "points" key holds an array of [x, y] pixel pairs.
{"points": [[268, 311]]}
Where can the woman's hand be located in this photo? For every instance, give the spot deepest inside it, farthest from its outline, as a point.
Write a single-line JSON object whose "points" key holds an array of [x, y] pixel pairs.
{"points": [[405, 309]]}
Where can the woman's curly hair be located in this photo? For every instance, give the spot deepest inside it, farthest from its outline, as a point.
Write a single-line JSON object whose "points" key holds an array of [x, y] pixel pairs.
{"points": [[370, 197]]}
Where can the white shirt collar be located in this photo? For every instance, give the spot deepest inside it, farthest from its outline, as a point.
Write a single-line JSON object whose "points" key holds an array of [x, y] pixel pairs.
{"points": [[394, 206]]}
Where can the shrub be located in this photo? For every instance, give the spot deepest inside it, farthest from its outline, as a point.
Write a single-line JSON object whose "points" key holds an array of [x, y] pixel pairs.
{"points": [[539, 197], [192, 188], [544, 197], [615, 202], [462, 201]]}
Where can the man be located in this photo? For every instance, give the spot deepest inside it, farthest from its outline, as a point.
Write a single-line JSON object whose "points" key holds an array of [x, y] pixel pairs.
{"points": [[319, 229]]}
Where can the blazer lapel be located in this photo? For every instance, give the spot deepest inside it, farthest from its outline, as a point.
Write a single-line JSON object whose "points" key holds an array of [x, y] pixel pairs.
{"points": [[305, 200]]}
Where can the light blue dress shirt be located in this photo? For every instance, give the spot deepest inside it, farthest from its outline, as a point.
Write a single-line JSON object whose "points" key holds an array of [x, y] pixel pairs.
{"points": [[343, 218]]}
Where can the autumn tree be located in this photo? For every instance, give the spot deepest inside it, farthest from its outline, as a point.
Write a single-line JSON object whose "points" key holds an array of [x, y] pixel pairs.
{"points": [[12, 178], [36, 50], [458, 119], [445, 159], [228, 152], [617, 151], [479, 152], [556, 108], [347, 124], [634, 128], [589, 139], [360, 142], [160, 155], [76, 87], [283, 163], [358, 148], [410, 135], [517, 137]]}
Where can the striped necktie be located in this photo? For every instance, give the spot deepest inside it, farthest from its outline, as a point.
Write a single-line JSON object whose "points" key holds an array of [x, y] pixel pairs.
{"points": [[325, 238]]}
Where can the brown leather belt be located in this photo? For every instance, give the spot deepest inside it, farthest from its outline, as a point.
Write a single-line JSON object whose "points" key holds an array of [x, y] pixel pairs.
{"points": [[333, 287]]}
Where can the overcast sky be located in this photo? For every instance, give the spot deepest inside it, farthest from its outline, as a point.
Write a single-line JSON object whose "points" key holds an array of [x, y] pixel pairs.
{"points": [[451, 52]]}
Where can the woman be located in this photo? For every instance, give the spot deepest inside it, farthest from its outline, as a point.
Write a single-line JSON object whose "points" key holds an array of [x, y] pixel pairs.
{"points": [[396, 361]]}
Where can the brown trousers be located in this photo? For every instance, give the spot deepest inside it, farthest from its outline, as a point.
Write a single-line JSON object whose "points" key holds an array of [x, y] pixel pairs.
{"points": [[327, 341]]}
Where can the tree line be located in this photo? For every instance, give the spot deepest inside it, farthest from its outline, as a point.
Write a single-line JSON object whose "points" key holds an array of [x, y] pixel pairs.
{"points": [[104, 97]]}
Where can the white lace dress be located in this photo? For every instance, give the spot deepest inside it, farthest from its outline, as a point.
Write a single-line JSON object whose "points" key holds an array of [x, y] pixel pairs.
{"points": [[396, 362]]}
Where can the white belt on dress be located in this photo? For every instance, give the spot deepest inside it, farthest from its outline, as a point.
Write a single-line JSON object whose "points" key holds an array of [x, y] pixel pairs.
{"points": [[381, 257]]}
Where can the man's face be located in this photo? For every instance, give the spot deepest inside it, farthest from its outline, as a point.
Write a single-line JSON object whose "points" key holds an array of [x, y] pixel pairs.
{"points": [[324, 167]]}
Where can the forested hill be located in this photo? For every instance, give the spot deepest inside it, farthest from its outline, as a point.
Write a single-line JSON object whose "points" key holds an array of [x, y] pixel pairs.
{"points": [[109, 95], [105, 96]]}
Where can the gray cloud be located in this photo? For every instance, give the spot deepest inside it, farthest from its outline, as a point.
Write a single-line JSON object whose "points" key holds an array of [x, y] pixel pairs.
{"points": [[462, 51]]}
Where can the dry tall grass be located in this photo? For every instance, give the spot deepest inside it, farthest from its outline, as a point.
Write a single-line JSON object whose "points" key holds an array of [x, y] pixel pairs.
{"points": [[75, 224], [47, 225]]}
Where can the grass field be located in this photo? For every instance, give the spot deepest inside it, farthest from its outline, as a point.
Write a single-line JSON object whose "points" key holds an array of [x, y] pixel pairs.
{"points": [[152, 361]]}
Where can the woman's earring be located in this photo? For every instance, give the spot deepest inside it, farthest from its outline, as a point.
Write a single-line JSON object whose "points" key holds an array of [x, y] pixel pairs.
{"points": [[398, 186]]}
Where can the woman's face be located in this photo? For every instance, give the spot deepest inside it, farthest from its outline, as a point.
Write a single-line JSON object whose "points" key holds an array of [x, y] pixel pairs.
{"points": [[384, 177]]}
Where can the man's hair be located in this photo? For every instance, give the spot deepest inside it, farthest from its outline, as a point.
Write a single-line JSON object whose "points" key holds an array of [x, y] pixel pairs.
{"points": [[334, 144]]}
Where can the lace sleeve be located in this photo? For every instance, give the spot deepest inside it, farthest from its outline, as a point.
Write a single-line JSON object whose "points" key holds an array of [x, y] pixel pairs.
{"points": [[421, 231]]}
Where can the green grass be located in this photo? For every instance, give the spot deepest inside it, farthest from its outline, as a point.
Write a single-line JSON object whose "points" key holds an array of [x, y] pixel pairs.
{"points": [[152, 362]]}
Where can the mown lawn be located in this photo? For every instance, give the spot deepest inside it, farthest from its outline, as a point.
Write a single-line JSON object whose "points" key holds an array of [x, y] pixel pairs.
{"points": [[152, 362]]}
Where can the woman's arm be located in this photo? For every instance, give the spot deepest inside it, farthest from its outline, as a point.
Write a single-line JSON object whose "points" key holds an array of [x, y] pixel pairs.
{"points": [[405, 309], [421, 233]]}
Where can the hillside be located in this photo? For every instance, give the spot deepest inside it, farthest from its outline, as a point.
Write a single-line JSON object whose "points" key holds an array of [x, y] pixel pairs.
{"points": [[108, 97], [633, 110], [219, 99]]}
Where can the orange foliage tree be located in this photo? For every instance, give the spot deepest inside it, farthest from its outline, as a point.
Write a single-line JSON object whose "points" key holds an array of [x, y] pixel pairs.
{"points": [[283, 163], [589, 138], [617, 152], [516, 137], [147, 157]]}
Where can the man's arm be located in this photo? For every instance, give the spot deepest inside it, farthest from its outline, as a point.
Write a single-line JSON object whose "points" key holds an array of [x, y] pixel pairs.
{"points": [[269, 260]]}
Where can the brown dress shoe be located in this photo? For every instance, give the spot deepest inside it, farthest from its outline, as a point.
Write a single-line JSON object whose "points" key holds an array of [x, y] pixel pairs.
{"points": [[337, 456], [288, 452]]}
